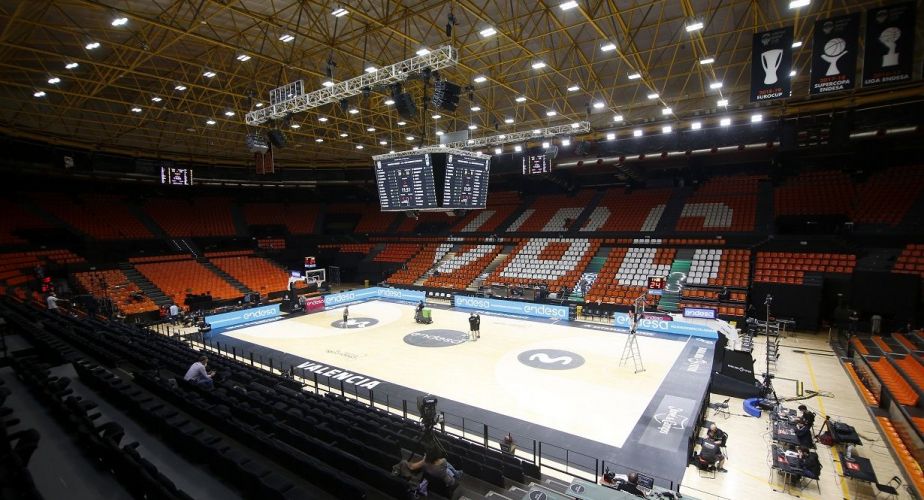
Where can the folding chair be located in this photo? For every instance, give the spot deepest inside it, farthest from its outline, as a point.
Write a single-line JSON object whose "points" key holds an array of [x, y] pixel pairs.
{"points": [[888, 488]]}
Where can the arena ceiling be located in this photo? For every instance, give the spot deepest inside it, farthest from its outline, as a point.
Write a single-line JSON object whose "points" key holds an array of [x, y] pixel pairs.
{"points": [[146, 87]]}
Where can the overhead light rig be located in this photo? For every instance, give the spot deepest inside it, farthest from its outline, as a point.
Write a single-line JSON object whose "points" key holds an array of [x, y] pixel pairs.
{"points": [[496, 140], [436, 59]]}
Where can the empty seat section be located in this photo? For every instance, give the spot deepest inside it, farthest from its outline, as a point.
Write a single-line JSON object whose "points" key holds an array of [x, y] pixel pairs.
{"points": [[886, 197], [623, 209], [907, 460], [15, 219], [721, 204], [554, 213], [720, 267], [177, 278], [101, 216], [624, 275], [197, 217], [397, 252], [910, 260], [256, 273], [790, 267], [299, 218], [826, 192], [417, 266], [912, 369], [463, 266], [900, 389], [498, 209], [555, 262], [114, 285], [375, 221], [867, 395]]}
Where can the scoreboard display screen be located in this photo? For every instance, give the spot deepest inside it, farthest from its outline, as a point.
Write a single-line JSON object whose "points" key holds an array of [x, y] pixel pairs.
{"points": [[466, 181], [406, 183], [176, 176], [536, 164]]}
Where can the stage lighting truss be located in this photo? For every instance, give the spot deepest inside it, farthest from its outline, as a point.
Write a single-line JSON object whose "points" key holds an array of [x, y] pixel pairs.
{"points": [[548, 132], [440, 58], [495, 140]]}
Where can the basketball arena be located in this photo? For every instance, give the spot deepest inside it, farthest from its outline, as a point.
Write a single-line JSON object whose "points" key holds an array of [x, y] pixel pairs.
{"points": [[462, 250]]}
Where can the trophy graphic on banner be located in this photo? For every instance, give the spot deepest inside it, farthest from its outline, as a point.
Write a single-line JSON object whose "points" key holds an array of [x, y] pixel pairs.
{"points": [[770, 60], [834, 49], [889, 37]]}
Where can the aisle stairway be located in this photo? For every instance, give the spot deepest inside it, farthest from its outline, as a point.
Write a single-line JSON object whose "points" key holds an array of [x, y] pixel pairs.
{"points": [[581, 219], [764, 217], [240, 222], [590, 272], [516, 214], [670, 300], [491, 267], [672, 210], [146, 220], [149, 289], [225, 276]]}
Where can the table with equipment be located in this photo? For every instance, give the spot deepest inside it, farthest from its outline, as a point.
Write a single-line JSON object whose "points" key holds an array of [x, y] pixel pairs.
{"points": [[787, 465]]}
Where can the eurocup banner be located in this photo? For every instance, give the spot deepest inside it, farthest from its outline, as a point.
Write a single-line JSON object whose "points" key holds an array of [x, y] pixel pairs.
{"points": [[771, 61], [889, 54], [835, 47]]}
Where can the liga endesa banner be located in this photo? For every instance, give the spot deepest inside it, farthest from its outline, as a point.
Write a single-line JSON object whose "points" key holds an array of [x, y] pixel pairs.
{"points": [[771, 61], [889, 53], [835, 46], [314, 304]]}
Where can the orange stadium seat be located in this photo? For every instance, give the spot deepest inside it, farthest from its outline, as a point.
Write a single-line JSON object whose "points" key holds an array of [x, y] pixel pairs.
{"points": [[177, 278], [256, 273]]}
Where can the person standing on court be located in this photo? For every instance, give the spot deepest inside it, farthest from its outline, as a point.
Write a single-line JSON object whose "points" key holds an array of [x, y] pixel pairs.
{"points": [[472, 326], [477, 326], [346, 316]]}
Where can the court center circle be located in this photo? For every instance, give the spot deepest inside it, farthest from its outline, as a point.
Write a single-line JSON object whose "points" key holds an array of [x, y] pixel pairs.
{"points": [[354, 323], [436, 338], [551, 359]]}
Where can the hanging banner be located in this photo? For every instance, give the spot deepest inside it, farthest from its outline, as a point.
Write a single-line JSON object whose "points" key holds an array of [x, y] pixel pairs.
{"points": [[771, 62], [889, 54], [834, 54]]}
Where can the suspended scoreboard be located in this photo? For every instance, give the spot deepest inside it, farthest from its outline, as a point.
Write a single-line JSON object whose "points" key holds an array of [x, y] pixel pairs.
{"points": [[466, 184], [420, 182]]}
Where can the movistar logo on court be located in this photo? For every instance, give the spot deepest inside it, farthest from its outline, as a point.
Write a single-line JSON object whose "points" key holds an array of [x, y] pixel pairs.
{"points": [[550, 359]]}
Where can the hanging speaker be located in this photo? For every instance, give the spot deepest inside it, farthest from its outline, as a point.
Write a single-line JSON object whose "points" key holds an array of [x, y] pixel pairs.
{"points": [[446, 95], [276, 138], [405, 105]]}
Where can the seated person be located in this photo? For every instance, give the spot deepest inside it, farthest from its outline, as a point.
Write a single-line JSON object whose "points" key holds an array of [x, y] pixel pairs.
{"points": [[631, 485], [810, 465], [804, 434], [719, 436], [807, 416], [197, 374], [434, 464], [710, 455]]}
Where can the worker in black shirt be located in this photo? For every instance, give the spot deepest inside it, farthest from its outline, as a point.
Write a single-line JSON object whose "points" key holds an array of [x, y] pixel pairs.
{"points": [[472, 326]]}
